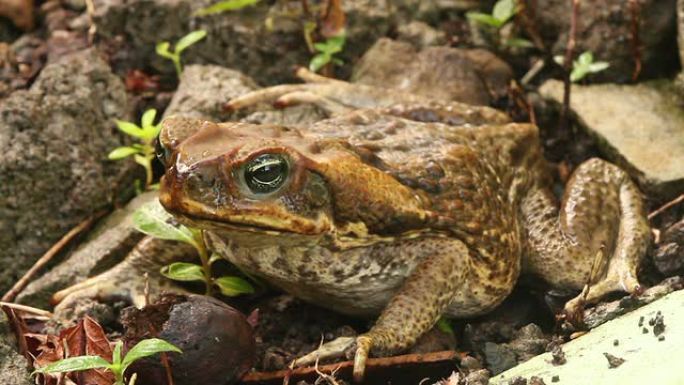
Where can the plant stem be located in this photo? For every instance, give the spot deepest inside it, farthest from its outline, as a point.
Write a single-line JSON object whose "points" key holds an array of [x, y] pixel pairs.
{"points": [[177, 64], [206, 266]]}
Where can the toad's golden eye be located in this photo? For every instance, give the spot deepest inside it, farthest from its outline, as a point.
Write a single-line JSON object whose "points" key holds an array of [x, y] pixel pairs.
{"points": [[266, 173]]}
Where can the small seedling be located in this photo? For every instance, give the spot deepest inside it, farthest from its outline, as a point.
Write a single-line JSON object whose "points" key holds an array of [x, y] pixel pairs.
{"points": [[118, 365], [225, 6], [326, 51], [153, 220], [181, 45], [583, 66], [143, 151], [502, 13]]}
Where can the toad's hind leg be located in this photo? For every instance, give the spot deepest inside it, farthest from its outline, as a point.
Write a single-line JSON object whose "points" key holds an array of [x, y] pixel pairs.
{"points": [[598, 237]]}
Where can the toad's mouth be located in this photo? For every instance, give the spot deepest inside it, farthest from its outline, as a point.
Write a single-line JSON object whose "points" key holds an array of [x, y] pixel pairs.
{"points": [[249, 224]]}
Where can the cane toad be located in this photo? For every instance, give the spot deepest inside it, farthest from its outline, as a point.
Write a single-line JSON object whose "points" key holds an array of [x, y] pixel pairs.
{"points": [[398, 206]]}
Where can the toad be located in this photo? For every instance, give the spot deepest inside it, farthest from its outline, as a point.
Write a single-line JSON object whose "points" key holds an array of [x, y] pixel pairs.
{"points": [[396, 206]]}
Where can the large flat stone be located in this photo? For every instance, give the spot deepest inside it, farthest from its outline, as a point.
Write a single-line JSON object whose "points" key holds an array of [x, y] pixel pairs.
{"points": [[640, 127], [648, 360]]}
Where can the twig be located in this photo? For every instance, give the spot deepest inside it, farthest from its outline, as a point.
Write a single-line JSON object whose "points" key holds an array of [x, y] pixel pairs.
{"points": [[27, 309], [567, 65], [666, 206], [330, 378], [47, 257], [90, 10], [634, 37], [526, 15]]}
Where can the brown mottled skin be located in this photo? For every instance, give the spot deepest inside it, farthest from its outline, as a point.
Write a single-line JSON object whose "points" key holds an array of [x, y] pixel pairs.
{"points": [[402, 207]]}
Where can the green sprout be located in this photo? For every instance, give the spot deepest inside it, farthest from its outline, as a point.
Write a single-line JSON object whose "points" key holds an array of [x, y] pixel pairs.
{"points": [[502, 13], [583, 66], [118, 365], [143, 151], [225, 6], [326, 51], [181, 45], [153, 220]]}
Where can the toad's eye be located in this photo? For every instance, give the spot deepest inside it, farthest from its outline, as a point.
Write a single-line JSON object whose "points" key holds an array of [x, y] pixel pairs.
{"points": [[266, 173]]}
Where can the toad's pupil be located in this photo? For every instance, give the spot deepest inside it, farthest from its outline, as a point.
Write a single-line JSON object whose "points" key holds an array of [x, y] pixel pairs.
{"points": [[266, 173]]}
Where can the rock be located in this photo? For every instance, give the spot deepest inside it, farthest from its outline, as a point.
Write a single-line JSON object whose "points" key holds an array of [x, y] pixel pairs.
{"points": [[499, 357], [649, 359], [106, 245], [606, 30], [470, 76], [204, 89], [249, 40], [54, 172], [13, 366], [420, 34], [669, 256], [638, 127]]}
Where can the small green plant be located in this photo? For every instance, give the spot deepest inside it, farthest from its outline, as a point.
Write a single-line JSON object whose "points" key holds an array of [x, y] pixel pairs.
{"points": [[118, 365], [583, 66], [181, 45], [153, 220], [143, 151], [326, 51], [502, 13], [225, 6]]}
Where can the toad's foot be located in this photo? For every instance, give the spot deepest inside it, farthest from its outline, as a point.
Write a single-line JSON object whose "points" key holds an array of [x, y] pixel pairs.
{"points": [[128, 280], [338, 348]]}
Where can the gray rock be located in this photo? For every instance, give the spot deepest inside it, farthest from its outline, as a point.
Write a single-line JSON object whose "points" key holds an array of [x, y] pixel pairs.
{"points": [[605, 28], [106, 245], [13, 366], [420, 34], [649, 358], [204, 89], [638, 127], [669, 256], [499, 357], [469, 76], [251, 40], [54, 172]]}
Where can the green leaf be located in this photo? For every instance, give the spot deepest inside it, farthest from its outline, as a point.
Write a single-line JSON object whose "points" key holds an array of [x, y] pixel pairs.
{"points": [[586, 58], [163, 50], [223, 6], [183, 271], [142, 160], [598, 66], [188, 40], [504, 10], [74, 364], [147, 119], [116, 354], [444, 325], [129, 128], [518, 42], [232, 286], [559, 59], [122, 152], [337, 61], [578, 73], [153, 220], [146, 348], [215, 257], [318, 61], [484, 18]]}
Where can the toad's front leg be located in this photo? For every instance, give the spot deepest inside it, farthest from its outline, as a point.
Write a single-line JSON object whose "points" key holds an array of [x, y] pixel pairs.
{"points": [[446, 278]]}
